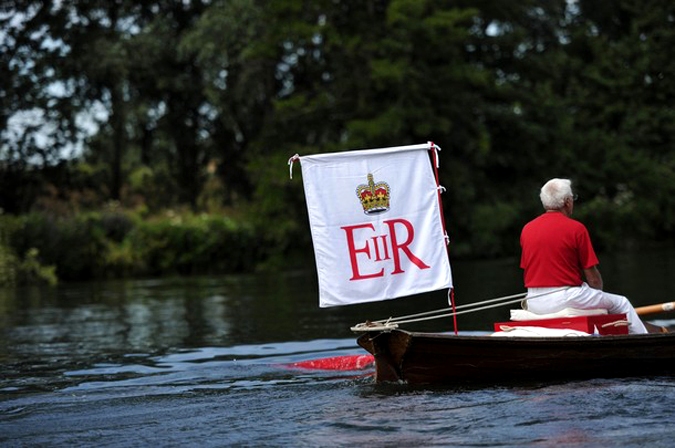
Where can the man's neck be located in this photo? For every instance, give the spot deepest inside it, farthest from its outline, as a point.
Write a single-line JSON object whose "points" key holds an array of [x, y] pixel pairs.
{"points": [[563, 210]]}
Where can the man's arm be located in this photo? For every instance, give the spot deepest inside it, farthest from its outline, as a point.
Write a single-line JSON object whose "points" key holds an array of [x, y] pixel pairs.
{"points": [[593, 277]]}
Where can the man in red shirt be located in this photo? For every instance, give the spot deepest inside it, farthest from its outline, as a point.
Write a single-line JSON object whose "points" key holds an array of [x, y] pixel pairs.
{"points": [[557, 252]]}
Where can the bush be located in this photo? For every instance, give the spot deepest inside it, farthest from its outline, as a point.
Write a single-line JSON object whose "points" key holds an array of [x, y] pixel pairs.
{"points": [[114, 244], [8, 263], [194, 244], [17, 271], [74, 244], [31, 271]]}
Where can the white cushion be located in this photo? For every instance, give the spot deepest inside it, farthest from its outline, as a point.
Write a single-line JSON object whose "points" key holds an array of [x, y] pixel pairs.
{"points": [[519, 315], [537, 332]]}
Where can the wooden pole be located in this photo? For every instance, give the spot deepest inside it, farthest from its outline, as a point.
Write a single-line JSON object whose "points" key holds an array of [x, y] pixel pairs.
{"points": [[653, 309]]}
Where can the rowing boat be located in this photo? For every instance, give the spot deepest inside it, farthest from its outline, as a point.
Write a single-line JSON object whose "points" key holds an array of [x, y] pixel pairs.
{"points": [[379, 233], [441, 358]]}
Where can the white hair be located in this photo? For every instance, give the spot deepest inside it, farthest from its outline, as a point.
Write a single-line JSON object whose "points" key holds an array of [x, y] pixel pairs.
{"points": [[555, 192]]}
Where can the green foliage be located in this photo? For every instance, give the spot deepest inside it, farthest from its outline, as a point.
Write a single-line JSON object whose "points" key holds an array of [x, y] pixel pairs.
{"points": [[494, 226], [114, 243], [21, 271], [200, 104], [193, 244], [279, 211], [30, 271], [8, 260], [73, 244]]}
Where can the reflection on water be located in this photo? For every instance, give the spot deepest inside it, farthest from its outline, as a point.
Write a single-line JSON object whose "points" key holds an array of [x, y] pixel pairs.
{"points": [[146, 316]]}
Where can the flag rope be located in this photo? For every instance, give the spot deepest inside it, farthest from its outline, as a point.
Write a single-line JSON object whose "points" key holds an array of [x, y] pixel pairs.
{"points": [[393, 322]]}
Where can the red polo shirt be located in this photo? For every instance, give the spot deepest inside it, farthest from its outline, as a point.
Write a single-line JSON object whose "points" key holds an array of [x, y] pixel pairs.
{"points": [[555, 250]]}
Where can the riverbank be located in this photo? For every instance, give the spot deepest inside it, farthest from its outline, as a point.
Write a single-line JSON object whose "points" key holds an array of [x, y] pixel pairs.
{"points": [[117, 243]]}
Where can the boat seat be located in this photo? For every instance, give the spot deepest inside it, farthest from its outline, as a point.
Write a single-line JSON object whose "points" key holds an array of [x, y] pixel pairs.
{"points": [[522, 315], [590, 321], [507, 331]]}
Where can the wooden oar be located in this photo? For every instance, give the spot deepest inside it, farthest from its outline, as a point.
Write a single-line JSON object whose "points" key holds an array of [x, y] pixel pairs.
{"points": [[653, 309]]}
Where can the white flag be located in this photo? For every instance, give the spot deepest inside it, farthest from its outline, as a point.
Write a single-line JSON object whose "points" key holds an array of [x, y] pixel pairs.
{"points": [[376, 224]]}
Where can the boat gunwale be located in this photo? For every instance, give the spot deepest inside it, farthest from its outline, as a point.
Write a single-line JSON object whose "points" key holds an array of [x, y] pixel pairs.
{"points": [[543, 339]]}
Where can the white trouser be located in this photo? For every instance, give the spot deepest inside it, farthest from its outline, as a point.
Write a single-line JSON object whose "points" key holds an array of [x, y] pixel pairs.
{"points": [[552, 300]]}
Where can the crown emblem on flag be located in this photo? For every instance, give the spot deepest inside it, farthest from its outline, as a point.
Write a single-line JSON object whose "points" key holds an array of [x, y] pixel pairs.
{"points": [[374, 197]]}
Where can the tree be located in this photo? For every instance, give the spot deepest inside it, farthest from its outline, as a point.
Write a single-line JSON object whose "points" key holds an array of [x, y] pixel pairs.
{"points": [[160, 97], [623, 124]]}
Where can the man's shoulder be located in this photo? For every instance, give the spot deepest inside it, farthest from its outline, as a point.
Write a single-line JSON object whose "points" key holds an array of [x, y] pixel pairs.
{"points": [[574, 222], [554, 219]]}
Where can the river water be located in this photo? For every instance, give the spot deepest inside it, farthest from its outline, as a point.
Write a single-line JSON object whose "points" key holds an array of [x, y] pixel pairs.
{"points": [[207, 362]]}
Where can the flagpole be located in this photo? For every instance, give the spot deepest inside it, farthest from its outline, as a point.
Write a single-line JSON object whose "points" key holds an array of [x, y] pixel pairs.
{"points": [[451, 295]]}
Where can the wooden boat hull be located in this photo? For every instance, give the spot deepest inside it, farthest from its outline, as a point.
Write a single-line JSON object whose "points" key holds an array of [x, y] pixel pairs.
{"points": [[436, 358]]}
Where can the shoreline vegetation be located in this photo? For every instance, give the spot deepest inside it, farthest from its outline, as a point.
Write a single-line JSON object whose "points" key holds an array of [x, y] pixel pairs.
{"points": [[43, 248], [153, 138]]}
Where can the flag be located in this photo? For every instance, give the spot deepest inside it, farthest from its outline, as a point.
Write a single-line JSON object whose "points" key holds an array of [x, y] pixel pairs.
{"points": [[376, 224]]}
